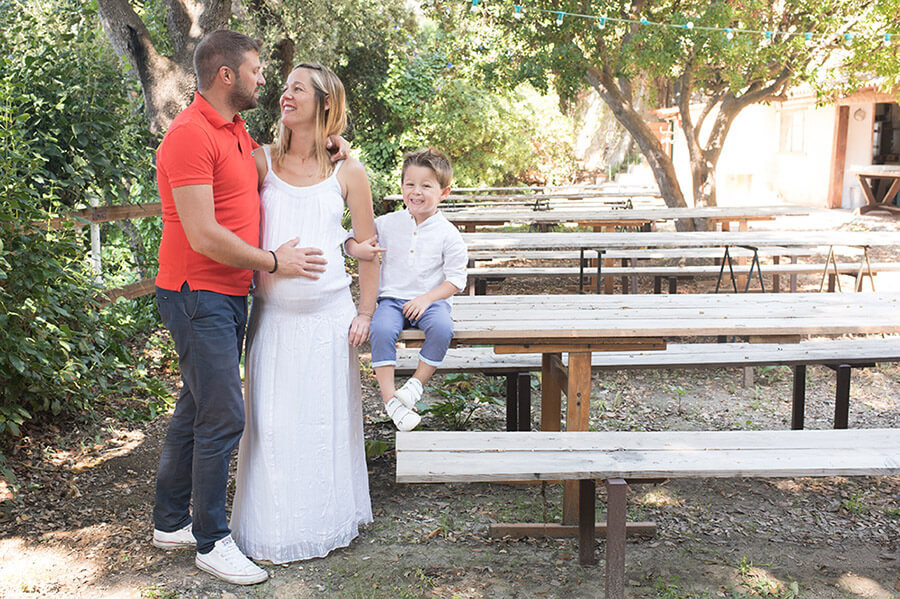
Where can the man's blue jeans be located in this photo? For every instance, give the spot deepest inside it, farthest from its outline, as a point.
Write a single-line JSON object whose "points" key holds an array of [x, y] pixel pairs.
{"points": [[208, 331]]}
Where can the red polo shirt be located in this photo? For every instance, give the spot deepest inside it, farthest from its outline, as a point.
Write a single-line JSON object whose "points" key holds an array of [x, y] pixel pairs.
{"points": [[202, 148]]}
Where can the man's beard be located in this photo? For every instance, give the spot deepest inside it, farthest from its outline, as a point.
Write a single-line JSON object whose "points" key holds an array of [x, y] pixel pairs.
{"points": [[243, 98]]}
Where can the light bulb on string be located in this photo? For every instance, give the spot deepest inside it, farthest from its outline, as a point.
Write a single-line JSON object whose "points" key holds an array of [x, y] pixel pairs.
{"points": [[689, 25], [559, 19], [518, 13], [729, 33], [474, 5], [601, 24], [768, 35]]}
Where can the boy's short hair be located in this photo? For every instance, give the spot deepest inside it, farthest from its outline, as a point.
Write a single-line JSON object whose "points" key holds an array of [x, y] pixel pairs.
{"points": [[433, 159], [220, 48]]}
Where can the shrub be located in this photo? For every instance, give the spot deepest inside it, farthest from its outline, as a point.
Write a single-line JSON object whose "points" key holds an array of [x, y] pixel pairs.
{"points": [[64, 136]]}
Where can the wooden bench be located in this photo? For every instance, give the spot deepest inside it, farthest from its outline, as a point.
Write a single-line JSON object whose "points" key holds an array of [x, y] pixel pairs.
{"points": [[616, 457], [633, 258], [841, 355], [479, 275]]}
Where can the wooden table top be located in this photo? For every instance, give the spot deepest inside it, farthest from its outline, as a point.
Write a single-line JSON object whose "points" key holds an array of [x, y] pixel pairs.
{"points": [[697, 239], [877, 170], [541, 318], [576, 213]]}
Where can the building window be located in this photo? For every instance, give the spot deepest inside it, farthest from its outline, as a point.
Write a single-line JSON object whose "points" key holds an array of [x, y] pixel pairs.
{"points": [[792, 132]]}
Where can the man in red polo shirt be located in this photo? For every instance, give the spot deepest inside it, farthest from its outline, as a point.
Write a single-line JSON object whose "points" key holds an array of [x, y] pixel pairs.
{"points": [[208, 185]]}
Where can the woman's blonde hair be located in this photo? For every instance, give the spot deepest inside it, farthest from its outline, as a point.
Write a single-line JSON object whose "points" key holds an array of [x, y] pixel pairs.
{"points": [[329, 121]]}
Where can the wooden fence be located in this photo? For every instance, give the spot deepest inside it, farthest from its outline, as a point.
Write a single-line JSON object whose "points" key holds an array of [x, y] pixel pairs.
{"points": [[104, 214]]}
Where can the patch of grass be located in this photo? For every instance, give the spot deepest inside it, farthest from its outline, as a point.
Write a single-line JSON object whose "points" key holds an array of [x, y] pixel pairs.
{"points": [[672, 590], [769, 375], [854, 504], [760, 584], [375, 448], [462, 394]]}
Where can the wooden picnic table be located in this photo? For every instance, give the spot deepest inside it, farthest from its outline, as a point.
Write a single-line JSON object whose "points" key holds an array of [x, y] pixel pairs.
{"points": [[889, 177], [542, 198], [601, 219], [579, 325], [750, 240]]}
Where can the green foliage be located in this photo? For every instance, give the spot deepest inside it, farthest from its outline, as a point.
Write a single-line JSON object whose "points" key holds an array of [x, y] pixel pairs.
{"points": [[492, 136], [637, 67], [462, 394], [64, 136], [405, 90], [82, 127], [375, 448]]}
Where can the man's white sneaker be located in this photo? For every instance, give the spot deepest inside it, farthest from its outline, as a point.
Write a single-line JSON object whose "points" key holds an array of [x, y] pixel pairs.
{"points": [[403, 417], [174, 540], [227, 562], [410, 393]]}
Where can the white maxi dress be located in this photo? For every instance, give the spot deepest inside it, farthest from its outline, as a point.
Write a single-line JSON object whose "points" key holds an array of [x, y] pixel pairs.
{"points": [[302, 484]]}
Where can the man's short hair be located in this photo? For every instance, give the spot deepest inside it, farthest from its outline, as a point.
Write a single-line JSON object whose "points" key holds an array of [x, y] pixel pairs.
{"points": [[433, 159], [220, 48]]}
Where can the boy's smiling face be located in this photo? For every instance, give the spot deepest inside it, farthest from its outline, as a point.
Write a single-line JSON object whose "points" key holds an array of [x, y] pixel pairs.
{"points": [[422, 193]]}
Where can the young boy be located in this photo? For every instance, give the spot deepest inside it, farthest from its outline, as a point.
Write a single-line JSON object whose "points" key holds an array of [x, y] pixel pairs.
{"points": [[423, 265]]}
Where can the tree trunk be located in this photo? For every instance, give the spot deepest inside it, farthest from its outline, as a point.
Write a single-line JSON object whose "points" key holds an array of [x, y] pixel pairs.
{"points": [[651, 148], [167, 81], [727, 105]]}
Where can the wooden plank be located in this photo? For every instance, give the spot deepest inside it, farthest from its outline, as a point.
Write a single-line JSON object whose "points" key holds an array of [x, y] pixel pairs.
{"points": [[684, 454], [141, 288], [578, 405], [519, 307], [663, 270], [518, 241], [838, 157], [569, 319], [658, 253], [690, 355], [600, 345], [104, 214], [649, 441], [551, 395]]}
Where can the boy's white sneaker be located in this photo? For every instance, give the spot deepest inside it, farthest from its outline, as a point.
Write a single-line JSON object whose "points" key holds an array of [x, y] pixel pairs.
{"points": [[410, 393], [404, 418], [182, 537], [227, 562]]}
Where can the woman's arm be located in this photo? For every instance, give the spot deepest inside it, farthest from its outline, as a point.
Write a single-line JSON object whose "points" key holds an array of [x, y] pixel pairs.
{"points": [[358, 195], [262, 169]]}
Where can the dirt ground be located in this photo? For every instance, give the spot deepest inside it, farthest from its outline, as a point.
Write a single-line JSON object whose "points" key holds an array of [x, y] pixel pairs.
{"points": [[77, 521]]}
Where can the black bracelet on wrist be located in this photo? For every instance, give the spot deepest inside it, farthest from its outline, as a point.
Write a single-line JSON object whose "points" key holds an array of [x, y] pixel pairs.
{"points": [[275, 258]]}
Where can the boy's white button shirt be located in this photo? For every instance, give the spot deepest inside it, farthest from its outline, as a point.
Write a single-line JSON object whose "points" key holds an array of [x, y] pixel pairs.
{"points": [[418, 258]]}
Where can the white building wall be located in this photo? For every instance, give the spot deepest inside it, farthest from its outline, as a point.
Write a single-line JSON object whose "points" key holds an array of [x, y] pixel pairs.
{"points": [[755, 167], [859, 152]]}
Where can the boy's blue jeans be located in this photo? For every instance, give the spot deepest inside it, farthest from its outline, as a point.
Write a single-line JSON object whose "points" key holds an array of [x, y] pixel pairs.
{"points": [[208, 331], [388, 320]]}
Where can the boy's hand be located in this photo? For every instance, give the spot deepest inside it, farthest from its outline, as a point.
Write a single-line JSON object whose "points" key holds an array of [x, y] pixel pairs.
{"points": [[359, 329], [338, 147], [364, 250], [414, 308]]}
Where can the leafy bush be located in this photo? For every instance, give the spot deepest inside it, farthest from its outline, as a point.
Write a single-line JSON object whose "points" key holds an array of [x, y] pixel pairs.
{"points": [[461, 395], [64, 136], [492, 136]]}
